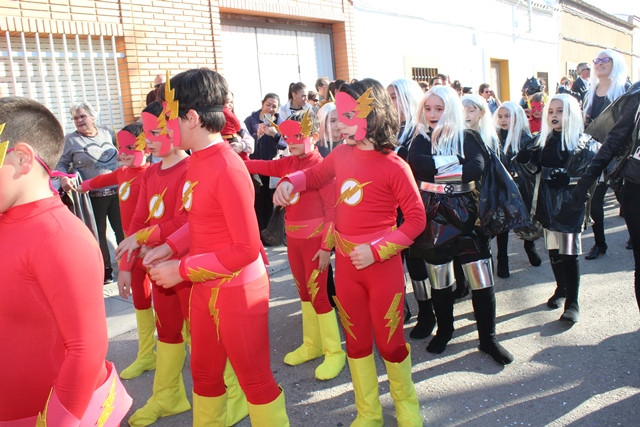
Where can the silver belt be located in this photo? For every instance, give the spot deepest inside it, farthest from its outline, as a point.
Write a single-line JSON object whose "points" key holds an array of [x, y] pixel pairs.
{"points": [[104, 192], [447, 188]]}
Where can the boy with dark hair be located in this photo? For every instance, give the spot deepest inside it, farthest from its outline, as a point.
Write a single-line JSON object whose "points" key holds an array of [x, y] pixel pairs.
{"points": [[230, 296], [53, 323]]}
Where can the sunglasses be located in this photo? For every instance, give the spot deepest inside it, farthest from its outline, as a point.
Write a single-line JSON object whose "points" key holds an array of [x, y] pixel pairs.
{"points": [[604, 60]]}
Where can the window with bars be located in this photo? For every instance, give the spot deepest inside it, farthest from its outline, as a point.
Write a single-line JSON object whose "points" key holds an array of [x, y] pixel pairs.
{"points": [[420, 74], [59, 72]]}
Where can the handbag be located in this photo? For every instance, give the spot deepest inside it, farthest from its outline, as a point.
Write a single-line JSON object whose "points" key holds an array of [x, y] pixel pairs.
{"points": [[501, 207], [80, 205]]}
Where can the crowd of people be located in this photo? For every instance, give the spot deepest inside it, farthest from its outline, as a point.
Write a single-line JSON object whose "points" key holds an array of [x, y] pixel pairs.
{"points": [[415, 176]]}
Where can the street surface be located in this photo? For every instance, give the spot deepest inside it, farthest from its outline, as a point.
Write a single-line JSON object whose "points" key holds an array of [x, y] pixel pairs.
{"points": [[584, 375]]}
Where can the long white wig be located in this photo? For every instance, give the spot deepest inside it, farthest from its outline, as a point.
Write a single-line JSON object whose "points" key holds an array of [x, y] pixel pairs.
{"points": [[572, 122], [324, 119], [408, 96], [618, 77], [448, 136], [518, 123], [487, 130]]}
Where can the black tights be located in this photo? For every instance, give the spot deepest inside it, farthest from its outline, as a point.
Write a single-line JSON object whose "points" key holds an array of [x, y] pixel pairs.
{"points": [[631, 202], [103, 208]]}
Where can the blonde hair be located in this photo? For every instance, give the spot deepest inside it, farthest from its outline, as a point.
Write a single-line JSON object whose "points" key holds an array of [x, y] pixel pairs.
{"points": [[408, 95], [518, 123], [448, 136], [572, 122], [324, 131], [487, 129]]}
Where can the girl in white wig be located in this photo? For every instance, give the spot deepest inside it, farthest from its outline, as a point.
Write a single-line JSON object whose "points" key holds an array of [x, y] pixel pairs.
{"points": [[477, 117], [449, 163], [513, 131], [561, 155], [406, 95], [329, 136]]}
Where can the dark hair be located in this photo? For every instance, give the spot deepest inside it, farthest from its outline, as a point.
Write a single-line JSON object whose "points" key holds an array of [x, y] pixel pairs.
{"points": [[312, 95], [467, 89], [201, 89], [295, 87], [271, 95], [382, 121], [29, 121], [297, 116], [482, 87], [424, 85], [154, 108], [433, 79], [320, 82], [456, 85], [334, 87], [134, 129]]}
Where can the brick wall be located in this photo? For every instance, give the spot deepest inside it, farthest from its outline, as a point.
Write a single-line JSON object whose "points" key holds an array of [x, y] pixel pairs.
{"points": [[170, 34]]}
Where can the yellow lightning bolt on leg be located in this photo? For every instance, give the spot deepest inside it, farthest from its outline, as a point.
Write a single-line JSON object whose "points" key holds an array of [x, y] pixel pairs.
{"points": [[213, 311], [107, 406], [312, 284], [344, 318], [393, 315]]}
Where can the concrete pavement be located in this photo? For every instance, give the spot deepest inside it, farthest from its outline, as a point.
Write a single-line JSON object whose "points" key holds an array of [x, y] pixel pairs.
{"points": [[582, 375]]}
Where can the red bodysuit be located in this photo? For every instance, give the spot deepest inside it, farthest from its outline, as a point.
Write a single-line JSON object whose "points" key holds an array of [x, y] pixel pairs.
{"points": [[309, 223], [159, 212], [53, 322], [370, 186], [129, 181], [230, 296]]}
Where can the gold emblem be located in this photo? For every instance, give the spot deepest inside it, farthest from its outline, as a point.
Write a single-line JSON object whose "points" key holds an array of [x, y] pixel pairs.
{"points": [[390, 249], [187, 195], [351, 192], [156, 206], [393, 315], [107, 406], [312, 284], [344, 318], [124, 191]]}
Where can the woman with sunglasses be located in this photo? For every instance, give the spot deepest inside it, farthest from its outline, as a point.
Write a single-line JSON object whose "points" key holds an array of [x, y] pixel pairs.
{"points": [[608, 82]]}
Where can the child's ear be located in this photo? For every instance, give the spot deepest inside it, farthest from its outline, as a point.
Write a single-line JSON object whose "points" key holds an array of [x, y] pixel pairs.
{"points": [[26, 157], [314, 137]]}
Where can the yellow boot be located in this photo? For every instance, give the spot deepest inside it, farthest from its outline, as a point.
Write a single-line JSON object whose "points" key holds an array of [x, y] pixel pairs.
{"points": [[311, 343], [146, 358], [209, 411], [365, 388], [169, 396], [273, 414], [334, 356], [237, 408], [403, 393]]}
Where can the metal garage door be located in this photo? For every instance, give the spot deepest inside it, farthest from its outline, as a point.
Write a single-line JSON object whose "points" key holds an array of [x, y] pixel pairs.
{"points": [[259, 60], [59, 72]]}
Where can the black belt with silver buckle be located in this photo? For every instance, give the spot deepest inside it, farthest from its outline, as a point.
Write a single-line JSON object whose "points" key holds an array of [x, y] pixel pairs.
{"points": [[447, 188]]}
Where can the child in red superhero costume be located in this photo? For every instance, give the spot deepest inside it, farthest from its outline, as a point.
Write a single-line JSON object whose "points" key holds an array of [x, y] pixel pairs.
{"points": [[131, 149], [309, 227], [53, 323], [230, 296], [372, 182], [159, 212]]}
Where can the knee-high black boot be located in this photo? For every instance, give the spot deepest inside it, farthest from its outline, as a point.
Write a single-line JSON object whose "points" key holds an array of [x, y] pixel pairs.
{"points": [[532, 254], [484, 308], [558, 297], [443, 306], [502, 240], [572, 286], [426, 320]]}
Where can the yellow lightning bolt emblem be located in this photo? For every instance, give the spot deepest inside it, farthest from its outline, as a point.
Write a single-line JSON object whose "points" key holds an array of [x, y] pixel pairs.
{"points": [[42, 416], [213, 311], [294, 228], [312, 284], [202, 275], [364, 107], [330, 239], [107, 406], [344, 245], [187, 194], [125, 187], [393, 315], [143, 235], [169, 96], [350, 192], [297, 284], [4, 145], [389, 250], [344, 318], [141, 142], [156, 205], [306, 124], [317, 231]]}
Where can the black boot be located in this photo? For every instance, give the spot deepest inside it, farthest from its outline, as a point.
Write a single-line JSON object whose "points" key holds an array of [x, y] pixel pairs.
{"points": [[108, 275], [558, 297], [532, 254], [426, 320], [442, 300], [503, 255], [572, 284], [484, 308]]}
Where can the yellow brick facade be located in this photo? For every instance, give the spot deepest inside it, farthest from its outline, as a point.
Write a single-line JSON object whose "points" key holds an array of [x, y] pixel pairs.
{"points": [[174, 35]]}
